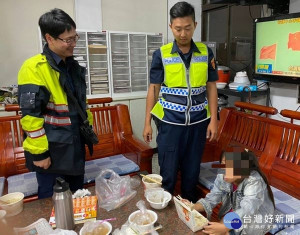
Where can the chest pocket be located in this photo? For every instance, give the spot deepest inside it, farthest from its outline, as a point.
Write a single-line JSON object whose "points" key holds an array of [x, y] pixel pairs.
{"points": [[199, 74], [175, 75]]}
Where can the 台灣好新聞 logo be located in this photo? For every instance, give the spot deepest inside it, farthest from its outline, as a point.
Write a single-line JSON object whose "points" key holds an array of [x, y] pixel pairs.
{"points": [[232, 220]]}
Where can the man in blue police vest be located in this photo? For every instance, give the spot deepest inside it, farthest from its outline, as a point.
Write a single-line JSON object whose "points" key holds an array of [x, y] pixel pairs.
{"points": [[185, 73]]}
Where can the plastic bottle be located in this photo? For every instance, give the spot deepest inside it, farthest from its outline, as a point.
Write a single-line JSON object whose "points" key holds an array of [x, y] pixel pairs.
{"points": [[63, 205]]}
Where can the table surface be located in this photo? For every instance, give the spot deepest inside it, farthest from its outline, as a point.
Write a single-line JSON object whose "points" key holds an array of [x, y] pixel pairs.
{"points": [[167, 217]]}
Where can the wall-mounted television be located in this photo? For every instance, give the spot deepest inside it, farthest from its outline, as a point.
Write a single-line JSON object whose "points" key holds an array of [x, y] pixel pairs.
{"points": [[277, 48]]}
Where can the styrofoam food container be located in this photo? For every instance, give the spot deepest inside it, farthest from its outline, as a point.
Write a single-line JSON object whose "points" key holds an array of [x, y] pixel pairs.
{"points": [[149, 184], [14, 203], [105, 223], [2, 214], [142, 228], [159, 205], [221, 85]]}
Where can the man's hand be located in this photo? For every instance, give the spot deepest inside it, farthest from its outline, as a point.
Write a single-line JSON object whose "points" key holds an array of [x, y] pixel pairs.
{"points": [[212, 130], [215, 228], [43, 163], [147, 134]]}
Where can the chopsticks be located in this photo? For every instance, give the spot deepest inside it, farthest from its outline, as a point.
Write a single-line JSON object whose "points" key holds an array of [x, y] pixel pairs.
{"points": [[179, 200], [149, 178], [154, 229]]}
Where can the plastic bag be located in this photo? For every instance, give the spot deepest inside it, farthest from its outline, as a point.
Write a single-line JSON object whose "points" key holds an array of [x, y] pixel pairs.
{"points": [[113, 190]]}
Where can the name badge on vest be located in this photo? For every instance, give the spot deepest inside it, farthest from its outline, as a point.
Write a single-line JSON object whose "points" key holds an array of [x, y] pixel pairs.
{"points": [[198, 59], [171, 60]]}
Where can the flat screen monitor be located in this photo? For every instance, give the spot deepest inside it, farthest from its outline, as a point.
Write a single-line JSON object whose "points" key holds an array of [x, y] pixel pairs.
{"points": [[277, 48]]}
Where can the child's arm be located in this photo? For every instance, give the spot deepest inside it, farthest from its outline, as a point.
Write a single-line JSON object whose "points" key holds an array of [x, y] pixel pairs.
{"points": [[214, 197], [216, 228]]}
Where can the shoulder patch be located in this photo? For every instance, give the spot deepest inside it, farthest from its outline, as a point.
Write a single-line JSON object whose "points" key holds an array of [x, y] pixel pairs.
{"points": [[213, 64]]}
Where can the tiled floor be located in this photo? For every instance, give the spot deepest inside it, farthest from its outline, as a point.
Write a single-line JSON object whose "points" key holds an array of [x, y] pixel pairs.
{"points": [[155, 166]]}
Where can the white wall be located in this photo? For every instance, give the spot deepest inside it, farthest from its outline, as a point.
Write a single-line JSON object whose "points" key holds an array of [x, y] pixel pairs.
{"points": [[294, 6], [135, 15], [88, 14], [19, 38]]}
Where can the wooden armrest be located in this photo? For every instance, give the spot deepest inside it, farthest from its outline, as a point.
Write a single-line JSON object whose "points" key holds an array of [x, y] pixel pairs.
{"points": [[256, 107], [100, 100], [290, 114], [137, 144], [143, 152], [12, 107]]}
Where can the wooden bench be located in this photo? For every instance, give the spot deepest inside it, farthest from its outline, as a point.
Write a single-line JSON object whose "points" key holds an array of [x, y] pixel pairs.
{"points": [[275, 143], [111, 123]]}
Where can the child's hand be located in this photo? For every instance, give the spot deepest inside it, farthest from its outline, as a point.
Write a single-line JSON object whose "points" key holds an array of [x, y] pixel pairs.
{"points": [[197, 207], [188, 203], [215, 228]]}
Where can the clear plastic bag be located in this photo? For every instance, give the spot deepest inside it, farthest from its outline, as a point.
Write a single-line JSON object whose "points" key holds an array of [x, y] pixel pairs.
{"points": [[113, 190]]}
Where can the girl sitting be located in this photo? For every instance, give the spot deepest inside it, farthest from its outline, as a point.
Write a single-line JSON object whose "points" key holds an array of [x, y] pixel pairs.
{"points": [[243, 189]]}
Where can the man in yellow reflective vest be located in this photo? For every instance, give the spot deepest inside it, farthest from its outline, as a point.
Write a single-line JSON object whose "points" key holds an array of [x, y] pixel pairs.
{"points": [[52, 144], [185, 73]]}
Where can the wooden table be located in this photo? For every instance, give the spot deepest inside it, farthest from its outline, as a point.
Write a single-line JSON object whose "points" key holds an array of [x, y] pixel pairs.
{"points": [[168, 218]]}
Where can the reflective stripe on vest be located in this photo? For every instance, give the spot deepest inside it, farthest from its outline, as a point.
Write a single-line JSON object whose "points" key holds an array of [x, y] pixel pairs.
{"points": [[57, 121], [199, 107], [181, 91], [172, 106], [182, 108], [35, 134], [60, 108]]}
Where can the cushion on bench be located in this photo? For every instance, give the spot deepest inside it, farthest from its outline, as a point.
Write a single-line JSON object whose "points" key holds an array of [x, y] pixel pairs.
{"points": [[293, 230], [118, 163], [2, 182], [27, 182], [208, 175], [285, 205]]}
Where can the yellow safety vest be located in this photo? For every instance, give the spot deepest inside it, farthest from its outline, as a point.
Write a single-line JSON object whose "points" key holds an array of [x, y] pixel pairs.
{"points": [[184, 85], [36, 71]]}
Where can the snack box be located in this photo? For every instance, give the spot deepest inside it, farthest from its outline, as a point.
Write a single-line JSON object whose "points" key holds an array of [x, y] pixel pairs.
{"points": [[192, 218], [84, 209]]}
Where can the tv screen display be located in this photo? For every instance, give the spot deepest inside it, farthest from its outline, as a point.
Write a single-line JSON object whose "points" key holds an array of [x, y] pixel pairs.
{"points": [[277, 48]]}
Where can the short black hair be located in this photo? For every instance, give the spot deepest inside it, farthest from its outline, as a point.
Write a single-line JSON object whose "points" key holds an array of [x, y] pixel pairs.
{"points": [[55, 22], [182, 9]]}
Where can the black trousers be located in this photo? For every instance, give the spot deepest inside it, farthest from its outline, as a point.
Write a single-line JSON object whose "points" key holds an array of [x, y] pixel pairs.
{"points": [[46, 181], [181, 148]]}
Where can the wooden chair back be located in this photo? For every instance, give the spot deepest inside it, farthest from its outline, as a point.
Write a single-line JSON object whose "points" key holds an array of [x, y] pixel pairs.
{"points": [[276, 144]]}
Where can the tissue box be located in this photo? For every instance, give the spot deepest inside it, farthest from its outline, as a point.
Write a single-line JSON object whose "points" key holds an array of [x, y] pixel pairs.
{"points": [[84, 209], [193, 219]]}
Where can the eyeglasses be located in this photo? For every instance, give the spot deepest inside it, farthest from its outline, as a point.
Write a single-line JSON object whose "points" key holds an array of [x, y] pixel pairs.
{"points": [[70, 40]]}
